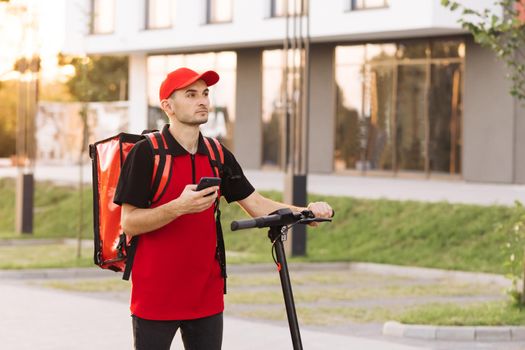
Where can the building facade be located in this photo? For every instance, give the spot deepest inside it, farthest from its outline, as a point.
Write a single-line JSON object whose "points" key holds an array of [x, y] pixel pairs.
{"points": [[396, 87]]}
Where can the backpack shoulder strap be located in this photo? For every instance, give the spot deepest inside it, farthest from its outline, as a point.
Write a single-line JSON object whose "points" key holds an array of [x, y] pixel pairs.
{"points": [[216, 157], [159, 180], [130, 248], [215, 153], [161, 164]]}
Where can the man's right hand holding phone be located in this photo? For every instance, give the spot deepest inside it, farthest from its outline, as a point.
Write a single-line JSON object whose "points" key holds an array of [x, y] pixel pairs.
{"points": [[193, 201]]}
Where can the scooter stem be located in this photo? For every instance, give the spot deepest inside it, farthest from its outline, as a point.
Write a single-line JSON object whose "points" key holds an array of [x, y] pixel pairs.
{"points": [[275, 234]]}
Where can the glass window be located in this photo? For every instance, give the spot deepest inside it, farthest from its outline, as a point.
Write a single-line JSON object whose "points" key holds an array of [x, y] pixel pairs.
{"points": [[221, 118], [378, 148], [295, 7], [399, 106], [413, 50], [102, 16], [368, 4], [159, 13], [410, 117], [364, 107], [448, 49], [445, 118], [349, 107], [275, 117], [273, 113], [220, 11]]}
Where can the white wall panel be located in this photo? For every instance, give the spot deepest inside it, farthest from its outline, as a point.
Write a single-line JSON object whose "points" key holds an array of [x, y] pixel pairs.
{"points": [[252, 26]]}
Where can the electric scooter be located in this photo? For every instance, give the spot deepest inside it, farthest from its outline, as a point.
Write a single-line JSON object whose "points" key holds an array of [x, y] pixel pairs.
{"points": [[280, 222]]}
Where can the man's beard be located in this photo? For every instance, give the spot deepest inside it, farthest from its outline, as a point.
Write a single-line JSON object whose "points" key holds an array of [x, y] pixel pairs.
{"points": [[197, 122]]}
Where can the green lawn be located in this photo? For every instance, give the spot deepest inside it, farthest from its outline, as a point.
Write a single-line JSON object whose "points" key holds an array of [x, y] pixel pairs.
{"points": [[482, 314], [441, 235], [44, 256], [56, 210]]}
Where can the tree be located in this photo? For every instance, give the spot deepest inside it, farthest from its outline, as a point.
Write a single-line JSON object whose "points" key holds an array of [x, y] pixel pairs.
{"points": [[503, 33], [97, 78]]}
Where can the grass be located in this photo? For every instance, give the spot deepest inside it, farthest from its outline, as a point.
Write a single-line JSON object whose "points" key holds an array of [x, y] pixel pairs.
{"points": [[330, 298], [439, 235], [341, 294], [306, 278], [324, 316], [486, 314], [481, 314], [56, 211], [336, 293], [91, 286], [44, 256]]}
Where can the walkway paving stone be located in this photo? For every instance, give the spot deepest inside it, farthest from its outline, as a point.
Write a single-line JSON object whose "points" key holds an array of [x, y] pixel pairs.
{"points": [[40, 319]]}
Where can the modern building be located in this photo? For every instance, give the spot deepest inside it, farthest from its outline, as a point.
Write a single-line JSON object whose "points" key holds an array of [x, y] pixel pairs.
{"points": [[396, 87]]}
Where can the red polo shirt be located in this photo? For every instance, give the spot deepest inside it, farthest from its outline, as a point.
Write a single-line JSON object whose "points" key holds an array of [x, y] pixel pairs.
{"points": [[175, 274]]}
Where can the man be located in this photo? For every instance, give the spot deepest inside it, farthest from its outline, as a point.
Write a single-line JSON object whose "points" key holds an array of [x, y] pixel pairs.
{"points": [[177, 280]]}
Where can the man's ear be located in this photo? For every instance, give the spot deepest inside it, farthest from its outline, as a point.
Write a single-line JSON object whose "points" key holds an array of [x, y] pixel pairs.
{"points": [[165, 105]]}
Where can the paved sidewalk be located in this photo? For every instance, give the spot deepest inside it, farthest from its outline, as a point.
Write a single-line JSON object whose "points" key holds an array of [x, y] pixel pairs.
{"points": [[62, 318], [36, 318], [339, 185], [398, 189]]}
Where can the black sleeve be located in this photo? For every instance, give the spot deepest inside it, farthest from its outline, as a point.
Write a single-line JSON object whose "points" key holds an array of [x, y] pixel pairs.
{"points": [[235, 186], [134, 184]]}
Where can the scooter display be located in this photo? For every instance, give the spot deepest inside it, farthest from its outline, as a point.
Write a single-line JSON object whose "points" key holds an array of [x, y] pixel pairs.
{"points": [[279, 222]]}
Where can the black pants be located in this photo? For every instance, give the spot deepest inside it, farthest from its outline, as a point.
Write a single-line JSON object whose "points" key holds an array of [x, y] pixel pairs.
{"points": [[199, 334]]}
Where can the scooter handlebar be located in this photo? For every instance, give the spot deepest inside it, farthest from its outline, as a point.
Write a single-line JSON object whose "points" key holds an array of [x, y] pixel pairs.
{"points": [[276, 219], [261, 221]]}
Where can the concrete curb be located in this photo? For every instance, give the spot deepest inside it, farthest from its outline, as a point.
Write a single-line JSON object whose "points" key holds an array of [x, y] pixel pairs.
{"points": [[451, 333]]}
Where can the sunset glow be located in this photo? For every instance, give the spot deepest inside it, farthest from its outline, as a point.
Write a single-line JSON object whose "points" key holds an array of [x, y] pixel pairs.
{"points": [[31, 27]]}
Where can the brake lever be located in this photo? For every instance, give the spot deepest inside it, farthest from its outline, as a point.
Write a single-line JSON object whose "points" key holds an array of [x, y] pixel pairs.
{"points": [[314, 219], [307, 214], [310, 214]]}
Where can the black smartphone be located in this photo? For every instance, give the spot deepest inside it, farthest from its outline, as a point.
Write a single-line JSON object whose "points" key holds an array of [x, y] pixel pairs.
{"points": [[206, 182]]}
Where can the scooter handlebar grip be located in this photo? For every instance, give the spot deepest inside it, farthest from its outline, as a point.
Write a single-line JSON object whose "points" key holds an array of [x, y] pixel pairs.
{"points": [[243, 224]]}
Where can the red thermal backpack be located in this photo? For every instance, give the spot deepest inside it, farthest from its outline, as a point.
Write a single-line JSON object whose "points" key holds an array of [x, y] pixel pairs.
{"points": [[114, 250]]}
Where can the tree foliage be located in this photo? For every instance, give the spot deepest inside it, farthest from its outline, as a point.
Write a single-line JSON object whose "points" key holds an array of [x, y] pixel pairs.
{"points": [[503, 33], [8, 114], [98, 78]]}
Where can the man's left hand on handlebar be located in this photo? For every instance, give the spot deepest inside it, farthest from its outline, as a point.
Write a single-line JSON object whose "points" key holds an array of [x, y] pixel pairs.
{"points": [[320, 210]]}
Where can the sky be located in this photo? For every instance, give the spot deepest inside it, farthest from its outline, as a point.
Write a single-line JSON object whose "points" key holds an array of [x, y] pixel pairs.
{"points": [[44, 21]]}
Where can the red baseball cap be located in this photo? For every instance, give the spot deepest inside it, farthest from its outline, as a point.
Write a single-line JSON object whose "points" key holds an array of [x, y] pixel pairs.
{"points": [[183, 77]]}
